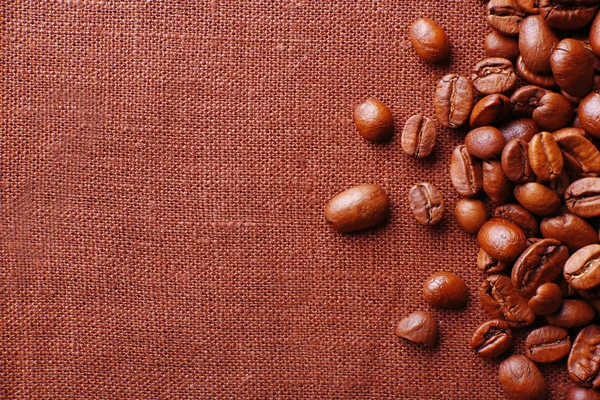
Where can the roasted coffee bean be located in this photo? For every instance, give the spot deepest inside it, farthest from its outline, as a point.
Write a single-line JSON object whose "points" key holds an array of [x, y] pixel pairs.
{"points": [[492, 339], [572, 314], [584, 361], [568, 15], [490, 265], [570, 230], [518, 216], [595, 35], [495, 184], [504, 16], [374, 120], [547, 299], [582, 270], [470, 214], [522, 128], [485, 142], [419, 327], [545, 81], [579, 393], [465, 172], [572, 67], [493, 75], [502, 239], [418, 136], [589, 114], [554, 112], [426, 203], [501, 300], [445, 290], [490, 110], [547, 344], [537, 198], [588, 47], [453, 100], [526, 99], [580, 150], [531, 7], [545, 157], [429, 40], [583, 197], [515, 161], [536, 42], [499, 45], [357, 208], [521, 379]]}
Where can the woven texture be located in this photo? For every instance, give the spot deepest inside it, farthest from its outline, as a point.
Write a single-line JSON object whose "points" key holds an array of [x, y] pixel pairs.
{"points": [[164, 169]]}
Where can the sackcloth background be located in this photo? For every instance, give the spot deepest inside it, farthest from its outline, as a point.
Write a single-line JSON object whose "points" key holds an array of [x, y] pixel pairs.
{"points": [[164, 169]]}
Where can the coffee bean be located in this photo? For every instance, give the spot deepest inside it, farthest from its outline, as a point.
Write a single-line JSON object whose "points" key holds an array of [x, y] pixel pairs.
{"points": [[522, 128], [515, 161], [558, 184], [572, 314], [578, 149], [501, 300], [579, 393], [572, 67], [466, 174], [499, 45], [588, 47], [419, 327], [518, 216], [554, 112], [492, 339], [547, 299], [583, 197], [485, 142], [530, 7], [582, 270], [357, 208], [453, 100], [536, 42], [374, 120], [504, 16], [526, 99], [537, 198], [540, 263], [418, 136], [470, 214], [545, 157], [547, 344], [570, 230], [429, 40], [426, 203], [567, 15], [545, 81], [589, 114], [584, 361], [490, 265], [521, 379], [595, 35], [501, 239], [490, 110], [493, 75], [445, 290], [495, 184]]}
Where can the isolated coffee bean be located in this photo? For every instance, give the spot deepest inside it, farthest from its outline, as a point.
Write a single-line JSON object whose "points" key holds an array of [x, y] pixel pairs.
{"points": [[492, 339], [578, 149], [545, 157], [582, 197], [537, 198], [521, 379], [470, 214], [521, 128], [493, 75], [501, 239], [445, 290], [357, 208], [554, 112], [568, 15], [526, 99], [490, 110], [530, 7], [499, 45], [595, 35], [419, 327], [582, 270], [453, 100], [429, 40], [504, 16], [518, 216], [547, 299], [571, 230], [466, 174], [544, 81], [489, 265], [589, 114], [572, 67], [580, 393], [426, 203], [584, 361], [572, 314], [485, 142], [515, 161], [536, 42], [418, 136], [495, 184], [547, 344], [501, 300], [374, 120]]}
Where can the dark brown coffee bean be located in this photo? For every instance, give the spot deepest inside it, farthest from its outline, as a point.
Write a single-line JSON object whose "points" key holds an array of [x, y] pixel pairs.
{"points": [[522, 128], [572, 67], [485, 142], [583, 197], [537, 198], [547, 344], [554, 112], [530, 7], [582, 270], [374, 120], [492, 339], [584, 361], [465, 172], [501, 300], [547, 299], [470, 214], [526, 99], [572, 314], [493, 75], [567, 15], [502, 239], [429, 40], [545, 157], [580, 150], [490, 110], [515, 161], [518, 216], [540, 263], [357, 208], [595, 35], [445, 290], [579, 393], [588, 47], [418, 136], [495, 184], [570, 230], [504, 16], [426, 203], [536, 42], [499, 45], [589, 114], [545, 81], [489, 265], [453, 100], [521, 379], [419, 327]]}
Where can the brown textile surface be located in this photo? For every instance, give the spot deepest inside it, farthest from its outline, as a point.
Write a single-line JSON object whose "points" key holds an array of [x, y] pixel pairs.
{"points": [[164, 168]]}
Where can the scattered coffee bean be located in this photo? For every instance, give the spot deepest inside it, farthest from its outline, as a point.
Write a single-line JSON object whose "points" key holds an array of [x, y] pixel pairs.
{"points": [[374, 120], [499, 45], [515, 161], [429, 40], [583, 197], [595, 35], [419, 327], [572, 67], [521, 379], [519, 216], [567, 15], [578, 151], [522, 128], [545, 81], [536, 42], [501, 239], [490, 110], [445, 290], [537, 198], [466, 173], [572, 314], [492, 339], [489, 265], [357, 208], [418, 136], [545, 157], [571, 230], [495, 184], [582, 270], [501, 300], [584, 361], [470, 214], [589, 114], [547, 344], [485, 142], [579, 393], [504, 16], [547, 299], [426, 203], [453, 100], [493, 75], [526, 99], [554, 112]]}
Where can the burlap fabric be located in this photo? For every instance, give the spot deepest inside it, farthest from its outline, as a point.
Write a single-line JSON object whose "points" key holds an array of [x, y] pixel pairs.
{"points": [[164, 168]]}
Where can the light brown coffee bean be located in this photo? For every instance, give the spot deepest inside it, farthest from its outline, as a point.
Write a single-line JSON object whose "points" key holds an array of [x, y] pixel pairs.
{"points": [[572, 314], [584, 361], [445, 290], [547, 299], [582, 197], [501, 239], [470, 214], [572, 67], [545, 157], [418, 136], [522, 128], [582, 270], [499, 45], [518, 216], [374, 120], [489, 265], [589, 114], [492, 339], [357, 208], [466, 174], [570, 230], [485, 142], [429, 40], [537, 198], [419, 327], [493, 75], [579, 149], [544, 81], [554, 112], [547, 344], [490, 110], [526, 99], [567, 15], [536, 43], [453, 100], [495, 184], [502, 301], [521, 379], [426, 203], [504, 16], [515, 161]]}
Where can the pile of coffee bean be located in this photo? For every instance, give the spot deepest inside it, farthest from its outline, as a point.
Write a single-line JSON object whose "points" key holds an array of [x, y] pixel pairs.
{"points": [[532, 158]]}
